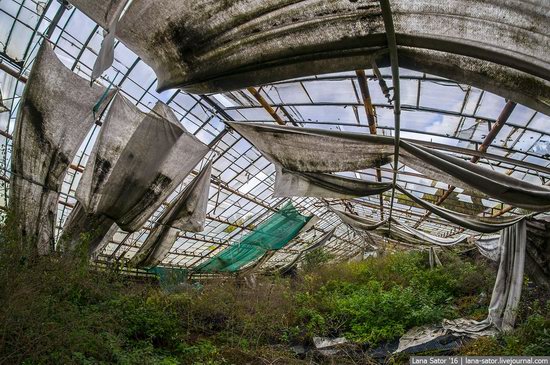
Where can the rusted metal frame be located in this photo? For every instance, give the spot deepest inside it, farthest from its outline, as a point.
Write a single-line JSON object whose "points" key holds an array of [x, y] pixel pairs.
{"points": [[35, 31], [489, 138], [371, 118], [392, 47], [266, 105], [406, 107]]}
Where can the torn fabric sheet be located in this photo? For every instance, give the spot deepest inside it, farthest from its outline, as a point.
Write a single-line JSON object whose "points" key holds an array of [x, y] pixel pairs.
{"points": [[54, 117], [354, 221], [487, 246], [315, 246], [106, 54], [318, 150], [302, 184], [475, 223], [103, 12], [151, 153], [186, 213]]}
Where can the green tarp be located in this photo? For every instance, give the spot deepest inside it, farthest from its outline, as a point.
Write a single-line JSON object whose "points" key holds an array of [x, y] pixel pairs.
{"points": [[272, 234]]}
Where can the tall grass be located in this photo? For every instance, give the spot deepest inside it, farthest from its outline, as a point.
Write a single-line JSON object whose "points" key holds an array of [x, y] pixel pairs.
{"points": [[59, 310]]}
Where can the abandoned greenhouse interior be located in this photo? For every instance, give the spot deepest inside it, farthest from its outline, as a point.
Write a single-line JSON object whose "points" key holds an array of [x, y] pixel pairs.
{"points": [[274, 181]]}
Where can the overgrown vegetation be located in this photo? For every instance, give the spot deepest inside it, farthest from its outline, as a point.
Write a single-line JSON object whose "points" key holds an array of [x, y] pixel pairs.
{"points": [[59, 310]]}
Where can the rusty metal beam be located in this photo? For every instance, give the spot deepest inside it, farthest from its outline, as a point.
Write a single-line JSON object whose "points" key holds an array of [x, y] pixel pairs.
{"points": [[266, 105], [495, 129], [371, 118]]}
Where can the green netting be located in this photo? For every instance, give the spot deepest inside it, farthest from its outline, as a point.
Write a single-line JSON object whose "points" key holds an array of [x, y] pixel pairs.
{"points": [[272, 234], [169, 276]]}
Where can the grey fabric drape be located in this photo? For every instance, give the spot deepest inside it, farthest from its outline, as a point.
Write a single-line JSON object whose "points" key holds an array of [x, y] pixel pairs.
{"points": [[317, 150], [187, 213], [475, 223], [137, 161], [398, 230], [315, 246], [434, 258], [504, 299], [92, 227], [54, 117], [289, 184]]}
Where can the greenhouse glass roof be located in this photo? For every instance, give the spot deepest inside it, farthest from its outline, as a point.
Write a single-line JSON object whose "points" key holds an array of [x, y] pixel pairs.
{"points": [[444, 114]]}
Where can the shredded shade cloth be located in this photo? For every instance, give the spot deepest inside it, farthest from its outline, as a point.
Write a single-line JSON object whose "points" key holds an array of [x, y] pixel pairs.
{"points": [[317, 150], [54, 117], [137, 161], [315, 246], [398, 230], [475, 223], [93, 229], [273, 234], [186, 213], [289, 183]]}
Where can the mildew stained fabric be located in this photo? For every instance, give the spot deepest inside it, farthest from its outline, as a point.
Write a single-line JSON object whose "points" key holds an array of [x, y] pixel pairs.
{"points": [[475, 223], [504, 299], [289, 183], [136, 163], [318, 150], [186, 213], [507, 291], [54, 117]]}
